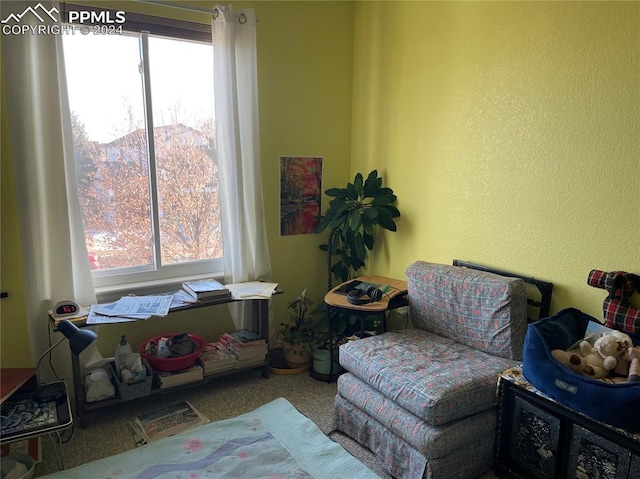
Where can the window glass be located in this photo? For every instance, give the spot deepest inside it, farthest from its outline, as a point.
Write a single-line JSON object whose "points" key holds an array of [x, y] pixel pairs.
{"points": [[187, 171], [149, 202]]}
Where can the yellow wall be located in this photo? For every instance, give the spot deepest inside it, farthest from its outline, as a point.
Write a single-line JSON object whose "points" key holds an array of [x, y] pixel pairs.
{"points": [[14, 343], [510, 133]]}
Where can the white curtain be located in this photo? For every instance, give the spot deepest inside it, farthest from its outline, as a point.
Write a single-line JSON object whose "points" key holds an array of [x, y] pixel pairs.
{"points": [[56, 265], [246, 254]]}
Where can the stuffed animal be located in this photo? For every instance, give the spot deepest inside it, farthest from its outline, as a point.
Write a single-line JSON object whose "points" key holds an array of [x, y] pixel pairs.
{"points": [[571, 359], [619, 313], [629, 364], [633, 355], [598, 360], [601, 358]]}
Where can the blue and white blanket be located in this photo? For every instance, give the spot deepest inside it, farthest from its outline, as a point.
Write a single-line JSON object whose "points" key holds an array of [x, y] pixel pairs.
{"points": [[273, 441]]}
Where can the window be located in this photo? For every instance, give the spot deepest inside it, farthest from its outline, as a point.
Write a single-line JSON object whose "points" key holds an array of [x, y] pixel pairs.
{"points": [[146, 159]]}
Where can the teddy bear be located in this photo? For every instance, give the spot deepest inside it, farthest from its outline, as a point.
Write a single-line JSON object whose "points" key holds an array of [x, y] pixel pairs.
{"points": [[629, 365], [633, 356], [598, 360]]}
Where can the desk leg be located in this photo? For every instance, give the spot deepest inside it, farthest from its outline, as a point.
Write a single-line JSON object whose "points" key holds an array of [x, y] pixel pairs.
{"points": [[330, 315], [77, 390], [56, 438], [263, 328]]}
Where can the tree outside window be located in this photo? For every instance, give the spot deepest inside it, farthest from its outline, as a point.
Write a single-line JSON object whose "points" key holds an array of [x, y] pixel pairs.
{"points": [[149, 202]]}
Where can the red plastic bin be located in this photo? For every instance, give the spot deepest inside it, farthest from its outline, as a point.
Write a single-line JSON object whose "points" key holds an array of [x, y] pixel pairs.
{"points": [[172, 363]]}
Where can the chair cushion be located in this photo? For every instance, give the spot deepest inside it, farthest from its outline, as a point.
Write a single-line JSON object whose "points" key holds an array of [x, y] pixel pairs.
{"points": [[482, 310], [402, 460], [433, 377], [432, 441]]}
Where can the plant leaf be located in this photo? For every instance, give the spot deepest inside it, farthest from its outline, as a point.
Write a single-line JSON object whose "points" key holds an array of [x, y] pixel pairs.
{"points": [[336, 192], [393, 210], [383, 200], [354, 220], [357, 183], [384, 220], [352, 193], [373, 183], [368, 240], [369, 184], [358, 251], [383, 192], [370, 214], [367, 223]]}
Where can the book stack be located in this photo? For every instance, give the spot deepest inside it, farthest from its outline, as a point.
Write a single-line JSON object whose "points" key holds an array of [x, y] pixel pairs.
{"points": [[249, 348], [206, 290], [176, 378], [216, 358]]}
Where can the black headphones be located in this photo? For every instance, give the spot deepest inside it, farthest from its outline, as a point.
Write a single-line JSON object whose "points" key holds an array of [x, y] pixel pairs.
{"points": [[371, 295]]}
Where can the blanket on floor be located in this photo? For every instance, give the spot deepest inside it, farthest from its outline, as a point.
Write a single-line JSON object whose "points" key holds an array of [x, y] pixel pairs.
{"points": [[274, 441]]}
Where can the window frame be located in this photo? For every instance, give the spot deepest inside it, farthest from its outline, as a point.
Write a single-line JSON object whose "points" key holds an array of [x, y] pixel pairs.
{"points": [[139, 22], [110, 284]]}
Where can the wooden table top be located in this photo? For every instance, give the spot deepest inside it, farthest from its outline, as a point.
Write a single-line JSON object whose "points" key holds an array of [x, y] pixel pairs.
{"points": [[391, 288], [11, 379]]}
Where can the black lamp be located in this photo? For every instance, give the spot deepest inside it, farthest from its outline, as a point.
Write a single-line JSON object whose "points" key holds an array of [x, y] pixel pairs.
{"points": [[79, 340]]}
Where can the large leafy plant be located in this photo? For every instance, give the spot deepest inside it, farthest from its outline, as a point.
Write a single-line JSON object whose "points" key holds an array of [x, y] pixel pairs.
{"points": [[352, 215]]}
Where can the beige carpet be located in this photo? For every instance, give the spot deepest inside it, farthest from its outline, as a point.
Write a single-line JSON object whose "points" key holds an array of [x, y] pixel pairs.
{"points": [[108, 432]]}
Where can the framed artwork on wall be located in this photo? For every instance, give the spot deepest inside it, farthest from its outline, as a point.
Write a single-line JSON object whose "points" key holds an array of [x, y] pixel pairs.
{"points": [[300, 194]]}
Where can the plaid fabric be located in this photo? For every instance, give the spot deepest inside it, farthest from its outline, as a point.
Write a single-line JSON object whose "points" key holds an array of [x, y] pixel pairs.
{"points": [[424, 399], [618, 312], [484, 311], [433, 377], [431, 441], [402, 460]]}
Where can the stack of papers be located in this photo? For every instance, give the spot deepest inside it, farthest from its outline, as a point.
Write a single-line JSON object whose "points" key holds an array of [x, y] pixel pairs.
{"points": [[252, 290], [129, 308]]}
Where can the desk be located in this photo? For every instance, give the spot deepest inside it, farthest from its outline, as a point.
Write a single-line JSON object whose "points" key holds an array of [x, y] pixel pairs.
{"points": [[260, 317], [12, 379], [19, 411], [394, 296]]}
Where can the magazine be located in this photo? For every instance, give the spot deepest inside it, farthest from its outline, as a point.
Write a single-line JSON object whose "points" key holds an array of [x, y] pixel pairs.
{"points": [[167, 422], [21, 414], [593, 332]]}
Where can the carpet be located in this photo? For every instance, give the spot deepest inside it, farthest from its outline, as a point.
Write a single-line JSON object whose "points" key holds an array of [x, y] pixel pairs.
{"points": [[274, 440]]}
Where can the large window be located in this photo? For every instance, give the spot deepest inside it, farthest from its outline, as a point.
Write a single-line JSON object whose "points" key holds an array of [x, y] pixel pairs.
{"points": [[144, 136]]}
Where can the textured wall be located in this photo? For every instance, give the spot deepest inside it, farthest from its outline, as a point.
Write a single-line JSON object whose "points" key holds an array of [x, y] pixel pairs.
{"points": [[509, 132], [14, 340]]}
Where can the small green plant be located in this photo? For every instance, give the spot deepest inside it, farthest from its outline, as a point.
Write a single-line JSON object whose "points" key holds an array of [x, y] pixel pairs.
{"points": [[304, 327], [351, 217]]}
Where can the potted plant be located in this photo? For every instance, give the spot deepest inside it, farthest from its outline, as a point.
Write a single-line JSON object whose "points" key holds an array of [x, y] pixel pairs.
{"points": [[351, 217], [322, 356], [299, 337]]}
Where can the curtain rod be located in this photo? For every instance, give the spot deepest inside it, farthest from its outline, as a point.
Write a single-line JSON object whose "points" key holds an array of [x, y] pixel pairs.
{"points": [[188, 8], [175, 5]]}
